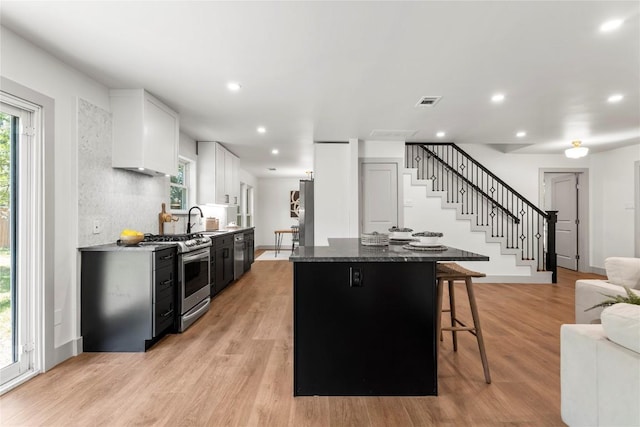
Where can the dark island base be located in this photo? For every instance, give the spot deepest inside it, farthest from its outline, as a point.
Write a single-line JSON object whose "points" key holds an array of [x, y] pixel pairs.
{"points": [[373, 338]]}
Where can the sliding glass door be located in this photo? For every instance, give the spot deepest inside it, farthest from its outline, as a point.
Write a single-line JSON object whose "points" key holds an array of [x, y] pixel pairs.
{"points": [[16, 337]]}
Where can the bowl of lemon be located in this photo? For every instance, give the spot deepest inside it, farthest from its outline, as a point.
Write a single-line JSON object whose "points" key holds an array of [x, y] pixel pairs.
{"points": [[131, 237]]}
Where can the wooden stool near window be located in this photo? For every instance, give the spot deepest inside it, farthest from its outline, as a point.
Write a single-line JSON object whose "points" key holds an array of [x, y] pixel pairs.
{"points": [[450, 272]]}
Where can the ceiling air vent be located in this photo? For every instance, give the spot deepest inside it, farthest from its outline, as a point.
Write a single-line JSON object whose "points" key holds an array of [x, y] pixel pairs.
{"points": [[428, 101]]}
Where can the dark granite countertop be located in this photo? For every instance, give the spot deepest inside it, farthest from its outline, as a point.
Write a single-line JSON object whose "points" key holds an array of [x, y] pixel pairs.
{"points": [[157, 246], [350, 250], [224, 231], [110, 247]]}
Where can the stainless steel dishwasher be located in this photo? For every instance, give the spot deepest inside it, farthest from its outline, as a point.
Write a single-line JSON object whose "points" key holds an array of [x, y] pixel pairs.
{"points": [[238, 255]]}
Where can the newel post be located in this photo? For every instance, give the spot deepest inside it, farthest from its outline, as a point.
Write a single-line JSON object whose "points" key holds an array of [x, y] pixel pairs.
{"points": [[552, 258]]}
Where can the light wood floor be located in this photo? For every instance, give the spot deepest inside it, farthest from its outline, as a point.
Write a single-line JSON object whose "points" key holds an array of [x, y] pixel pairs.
{"points": [[234, 367]]}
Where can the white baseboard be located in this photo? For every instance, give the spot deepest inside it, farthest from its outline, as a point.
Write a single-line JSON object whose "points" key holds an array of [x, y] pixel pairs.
{"points": [[511, 279], [598, 270], [67, 350]]}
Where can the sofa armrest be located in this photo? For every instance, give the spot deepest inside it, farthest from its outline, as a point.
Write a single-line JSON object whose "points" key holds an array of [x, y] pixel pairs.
{"points": [[599, 379], [578, 380], [589, 293]]}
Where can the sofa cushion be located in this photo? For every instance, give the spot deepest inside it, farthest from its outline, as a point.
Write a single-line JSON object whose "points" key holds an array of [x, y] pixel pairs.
{"points": [[621, 324], [623, 271]]}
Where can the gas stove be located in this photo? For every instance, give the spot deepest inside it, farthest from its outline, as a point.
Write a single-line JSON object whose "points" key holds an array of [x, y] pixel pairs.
{"points": [[185, 242]]}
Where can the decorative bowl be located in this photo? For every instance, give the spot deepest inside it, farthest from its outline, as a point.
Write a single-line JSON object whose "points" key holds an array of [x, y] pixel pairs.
{"points": [[431, 237], [131, 240], [400, 234], [374, 239]]}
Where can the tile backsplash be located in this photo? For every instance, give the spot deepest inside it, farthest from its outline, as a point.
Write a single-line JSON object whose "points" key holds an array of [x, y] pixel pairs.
{"points": [[115, 198]]}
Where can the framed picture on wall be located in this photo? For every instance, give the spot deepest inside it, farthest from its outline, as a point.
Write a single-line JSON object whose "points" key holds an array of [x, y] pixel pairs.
{"points": [[294, 203]]}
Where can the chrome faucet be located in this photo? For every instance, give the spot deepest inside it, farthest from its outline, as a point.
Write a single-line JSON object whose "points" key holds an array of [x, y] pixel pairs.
{"points": [[189, 218]]}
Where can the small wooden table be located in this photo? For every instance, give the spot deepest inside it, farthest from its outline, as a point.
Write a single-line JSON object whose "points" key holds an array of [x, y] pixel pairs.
{"points": [[279, 234]]}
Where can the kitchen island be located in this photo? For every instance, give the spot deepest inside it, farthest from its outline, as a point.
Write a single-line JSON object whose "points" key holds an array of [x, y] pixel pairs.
{"points": [[365, 319]]}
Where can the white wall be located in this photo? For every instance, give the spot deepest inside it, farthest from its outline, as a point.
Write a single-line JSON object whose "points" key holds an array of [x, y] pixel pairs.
{"points": [[30, 66], [336, 191], [273, 210], [612, 203], [384, 149], [187, 147]]}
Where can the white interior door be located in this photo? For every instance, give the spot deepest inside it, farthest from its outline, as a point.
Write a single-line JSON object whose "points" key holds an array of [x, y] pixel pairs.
{"points": [[564, 199], [379, 196]]}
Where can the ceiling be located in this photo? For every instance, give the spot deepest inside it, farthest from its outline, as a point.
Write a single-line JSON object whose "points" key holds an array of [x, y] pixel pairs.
{"points": [[331, 71]]}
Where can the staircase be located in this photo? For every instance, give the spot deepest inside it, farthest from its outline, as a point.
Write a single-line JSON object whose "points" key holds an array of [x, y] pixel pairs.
{"points": [[507, 222]]}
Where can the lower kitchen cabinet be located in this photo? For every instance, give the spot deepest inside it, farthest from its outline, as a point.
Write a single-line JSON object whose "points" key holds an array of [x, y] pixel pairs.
{"points": [[128, 297], [223, 260], [248, 249]]}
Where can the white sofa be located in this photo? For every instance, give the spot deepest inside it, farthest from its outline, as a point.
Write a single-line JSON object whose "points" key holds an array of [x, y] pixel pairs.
{"points": [[600, 370], [620, 272]]}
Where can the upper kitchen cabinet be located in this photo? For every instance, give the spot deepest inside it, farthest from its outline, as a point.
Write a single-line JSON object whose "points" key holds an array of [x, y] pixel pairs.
{"points": [[218, 174], [145, 133]]}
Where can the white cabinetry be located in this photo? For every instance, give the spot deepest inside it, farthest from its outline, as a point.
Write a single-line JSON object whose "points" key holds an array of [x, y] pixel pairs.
{"points": [[218, 177], [145, 133]]}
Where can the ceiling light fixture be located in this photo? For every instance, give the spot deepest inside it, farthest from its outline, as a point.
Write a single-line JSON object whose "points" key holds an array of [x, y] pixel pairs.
{"points": [[234, 86], [615, 98], [521, 134], [498, 97], [576, 151], [614, 24], [274, 151], [440, 134], [261, 129]]}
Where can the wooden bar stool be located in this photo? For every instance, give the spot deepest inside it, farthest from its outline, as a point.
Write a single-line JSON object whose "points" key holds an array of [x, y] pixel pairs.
{"points": [[450, 271]]}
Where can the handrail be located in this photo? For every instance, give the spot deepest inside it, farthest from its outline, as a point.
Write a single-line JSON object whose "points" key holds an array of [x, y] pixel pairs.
{"points": [[487, 171], [472, 185], [494, 203]]}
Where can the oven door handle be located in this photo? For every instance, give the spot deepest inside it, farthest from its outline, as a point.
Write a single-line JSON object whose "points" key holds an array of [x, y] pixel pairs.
{"points": [[204, 254]]}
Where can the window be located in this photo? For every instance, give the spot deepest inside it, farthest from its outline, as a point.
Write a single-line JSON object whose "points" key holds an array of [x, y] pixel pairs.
{"points": [[182, 187], [179, 187]]}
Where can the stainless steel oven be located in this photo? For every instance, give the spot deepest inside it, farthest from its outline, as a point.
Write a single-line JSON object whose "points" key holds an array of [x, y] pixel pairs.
{"points": [[194, 276]]}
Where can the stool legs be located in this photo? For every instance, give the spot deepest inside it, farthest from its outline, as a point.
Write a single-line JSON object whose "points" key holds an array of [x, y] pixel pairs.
{"points": [[439, 291], [475, 329], [452, 313], [478, 329]]}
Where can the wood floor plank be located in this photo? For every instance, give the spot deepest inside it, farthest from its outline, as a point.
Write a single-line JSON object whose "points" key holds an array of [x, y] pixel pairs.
{"points": [[234, 367]]}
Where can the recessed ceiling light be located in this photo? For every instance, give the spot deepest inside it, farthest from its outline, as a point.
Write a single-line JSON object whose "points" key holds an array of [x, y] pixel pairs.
{"points": [[440, 134], [498, 97], [615, 98], [234, 86], [261, 129], [140, 169], [614, 24], [274, 151], [521, 134]]}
